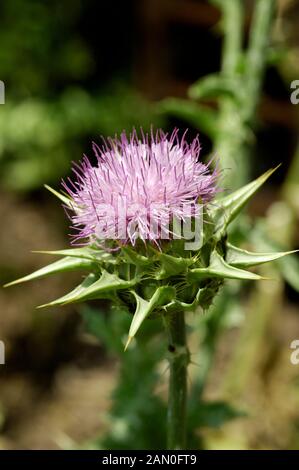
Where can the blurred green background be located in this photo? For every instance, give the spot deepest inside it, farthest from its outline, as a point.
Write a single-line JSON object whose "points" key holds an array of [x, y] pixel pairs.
{"points": [[76, 70]]}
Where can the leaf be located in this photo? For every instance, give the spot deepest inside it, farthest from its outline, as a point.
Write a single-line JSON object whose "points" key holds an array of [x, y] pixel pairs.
{"points": [[95, 254], [214, 414], [201, 117], [68, 298], [171, 265], [108, 324], [176, 304], [65, 264], [218, 268], [103, 286], [238, 257], [288, 266], [65, 199], [135, 258], [215, 86], [162, 296], [226, 209]]}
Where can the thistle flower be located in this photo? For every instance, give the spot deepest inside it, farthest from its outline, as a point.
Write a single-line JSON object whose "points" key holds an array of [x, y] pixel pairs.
{"points": [[138, 187], [146, 281]]}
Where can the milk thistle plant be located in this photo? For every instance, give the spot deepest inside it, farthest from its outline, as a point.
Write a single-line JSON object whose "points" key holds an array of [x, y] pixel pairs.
{"points": [[150, 228]]}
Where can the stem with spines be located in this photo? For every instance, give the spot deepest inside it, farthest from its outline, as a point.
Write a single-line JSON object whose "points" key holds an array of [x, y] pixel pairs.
{"points": [[179, 358]]}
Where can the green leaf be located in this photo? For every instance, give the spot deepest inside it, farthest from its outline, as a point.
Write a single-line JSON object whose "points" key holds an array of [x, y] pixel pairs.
{"points": [[171, 265], [144, 308], [68, 298], [108, 324], [243, 258], [107, 284], [288, 266], [95, 254], [65, 199], [93, 288], [215, 86], [213, 414], [135, 258], [176, 304], [65, 264], [201, 117], [226, 209], [218, 268]]}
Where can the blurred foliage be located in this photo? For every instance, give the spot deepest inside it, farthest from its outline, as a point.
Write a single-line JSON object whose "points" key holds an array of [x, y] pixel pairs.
{"points": [[39, 138], [40, 49], [55, 101]]}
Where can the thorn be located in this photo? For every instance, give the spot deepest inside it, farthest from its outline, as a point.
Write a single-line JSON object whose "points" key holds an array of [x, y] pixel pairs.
{"points": [[12, 283], [276, 167], [54, 304], [128, 342]]}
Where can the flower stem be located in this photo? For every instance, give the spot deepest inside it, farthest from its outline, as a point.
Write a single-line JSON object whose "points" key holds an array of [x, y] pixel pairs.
{"points": [[178, 356]]}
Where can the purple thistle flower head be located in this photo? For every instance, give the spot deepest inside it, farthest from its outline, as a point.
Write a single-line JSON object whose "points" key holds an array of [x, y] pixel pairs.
{"points": [[138, 187]]}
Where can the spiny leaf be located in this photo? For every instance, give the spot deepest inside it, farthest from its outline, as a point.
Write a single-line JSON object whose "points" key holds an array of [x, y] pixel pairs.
{"points": [[65, 199], [171, 265], [93, 288], [135, 258], [226, 209], [163, 295], [176, 304], [65, 264], [86, 252], [243, 258], [220, 269], [88, 281], [288, 266], [102, 287]]}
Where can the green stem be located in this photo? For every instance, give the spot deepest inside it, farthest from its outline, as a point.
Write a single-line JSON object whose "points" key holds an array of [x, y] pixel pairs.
{"points": [[178, 356], [233, 142], [229, 141], [257, 53], [232, 41]]}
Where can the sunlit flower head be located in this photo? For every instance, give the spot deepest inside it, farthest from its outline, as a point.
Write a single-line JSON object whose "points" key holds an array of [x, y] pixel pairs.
{"points": [[138, 187]]}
